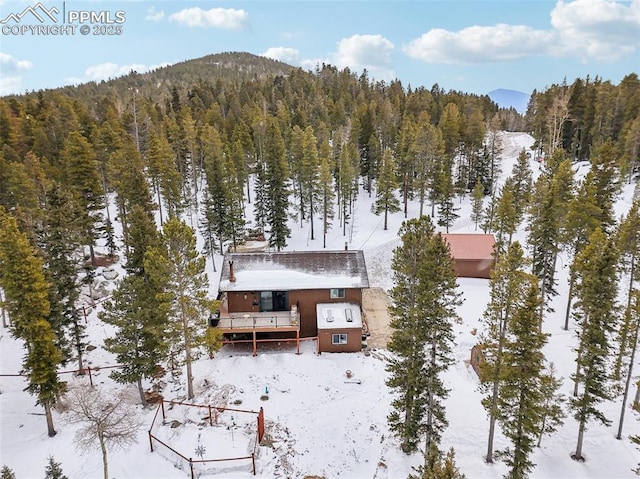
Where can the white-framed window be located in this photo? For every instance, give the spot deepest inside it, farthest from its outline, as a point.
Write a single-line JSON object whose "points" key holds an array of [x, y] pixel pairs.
{"points": [[339, 338], [337, 293]]}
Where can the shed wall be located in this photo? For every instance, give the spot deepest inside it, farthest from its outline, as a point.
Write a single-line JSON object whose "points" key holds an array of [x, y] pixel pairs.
{"points": [[354, 340], [473, 268]]}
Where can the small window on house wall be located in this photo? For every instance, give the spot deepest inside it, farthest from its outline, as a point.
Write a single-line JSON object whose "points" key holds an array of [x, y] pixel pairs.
{"points": [[339, 338], [337, 293]]}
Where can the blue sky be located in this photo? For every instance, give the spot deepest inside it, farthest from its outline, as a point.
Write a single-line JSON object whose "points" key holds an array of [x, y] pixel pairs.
{"points": [[473, 46]]}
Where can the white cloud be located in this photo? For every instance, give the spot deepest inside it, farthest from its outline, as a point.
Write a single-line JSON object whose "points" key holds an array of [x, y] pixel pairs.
{"points": [[154, 15], [599, 29], [590, 29], [480, 44], [226, 18], [283, 54], [11, 79], [364, 50], [372, 52], [10, 64]]}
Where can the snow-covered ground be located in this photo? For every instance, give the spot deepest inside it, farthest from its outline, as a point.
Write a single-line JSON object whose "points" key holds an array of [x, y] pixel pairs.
{"points": [[319, 421]]}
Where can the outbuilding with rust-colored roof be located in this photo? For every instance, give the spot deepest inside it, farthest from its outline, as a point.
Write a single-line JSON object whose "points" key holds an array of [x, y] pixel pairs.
{"points": [[473, 254]]}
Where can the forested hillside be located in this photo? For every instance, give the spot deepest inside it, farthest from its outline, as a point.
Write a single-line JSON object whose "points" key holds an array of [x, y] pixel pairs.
{"points": [[214, 138]]}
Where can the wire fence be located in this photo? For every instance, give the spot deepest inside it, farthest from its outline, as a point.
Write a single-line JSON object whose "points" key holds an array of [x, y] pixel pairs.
{"points": [[222, 425], [89, 371]]}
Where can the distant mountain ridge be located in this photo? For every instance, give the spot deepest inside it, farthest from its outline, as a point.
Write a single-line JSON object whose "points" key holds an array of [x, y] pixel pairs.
{"points": [[510, 99], [226, 66]]}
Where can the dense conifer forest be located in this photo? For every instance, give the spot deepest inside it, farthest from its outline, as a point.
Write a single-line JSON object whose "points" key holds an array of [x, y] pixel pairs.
{"points": [[205, 138]]}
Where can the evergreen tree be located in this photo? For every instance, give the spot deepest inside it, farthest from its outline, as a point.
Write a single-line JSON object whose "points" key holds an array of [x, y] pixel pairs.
{"points": [[223, 203], [345, 184], [140, 321], [81, 173], [26, 300], [165, 178], [521, 402], [427, 151], [507, 289], [551, 194], [309, 174], [604, 177], [553, 414], [628, 240], [276, 186], [439, 467], [424, 299], [386, 199], [130, 184], [53, 470], [477, 202], [522, 182], [446, 211], [506, 218], [295, 156], [179, 271], [207, 226], [59, 240], [326, 196], [143, 234], [7, 473], [243, 154], [596, 290], [631, 326], [260, 192], [583, 217]]}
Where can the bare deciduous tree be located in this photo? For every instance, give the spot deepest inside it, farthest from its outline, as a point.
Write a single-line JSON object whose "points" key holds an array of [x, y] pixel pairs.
{"points": [[104, 422]]}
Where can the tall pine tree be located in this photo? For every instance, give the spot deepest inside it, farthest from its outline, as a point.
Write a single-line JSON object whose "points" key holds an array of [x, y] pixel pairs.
{"points": [[178, 270], [424, 299], [596, 290], [276, 186], [386, 199], [26, 300], [522, 406], [507, 288]]}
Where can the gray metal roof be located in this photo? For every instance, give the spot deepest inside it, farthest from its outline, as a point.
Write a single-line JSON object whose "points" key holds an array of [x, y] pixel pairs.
{"points": [[294, 270]]}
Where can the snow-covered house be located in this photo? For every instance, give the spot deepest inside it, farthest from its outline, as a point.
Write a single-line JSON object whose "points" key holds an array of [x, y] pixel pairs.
{"points": [[275, 296], [473, 254]]}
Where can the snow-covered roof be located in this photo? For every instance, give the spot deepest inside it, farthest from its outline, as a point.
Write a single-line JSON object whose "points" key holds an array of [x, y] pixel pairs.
{"points": [[338, 315], [470, 246], [294, 270]]}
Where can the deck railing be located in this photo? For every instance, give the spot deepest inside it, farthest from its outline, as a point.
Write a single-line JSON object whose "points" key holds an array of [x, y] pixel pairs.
{"points": [[259, 320]]}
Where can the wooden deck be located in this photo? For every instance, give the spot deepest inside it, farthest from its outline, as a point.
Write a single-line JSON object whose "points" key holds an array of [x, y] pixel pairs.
{"points": [[259, 322], [237, 327]]}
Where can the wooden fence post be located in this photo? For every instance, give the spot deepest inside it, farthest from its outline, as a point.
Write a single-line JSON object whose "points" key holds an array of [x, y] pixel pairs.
{"points": [[90, 378], [150, 441]]}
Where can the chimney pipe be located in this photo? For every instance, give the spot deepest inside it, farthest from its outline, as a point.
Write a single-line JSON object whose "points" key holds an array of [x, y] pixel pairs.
{"points": [[232, 276]]}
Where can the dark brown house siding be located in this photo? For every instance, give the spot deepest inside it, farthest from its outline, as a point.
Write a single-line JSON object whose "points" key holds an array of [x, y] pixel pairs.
{"points": [[354, 340], [306, 300], [473, 268]]}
